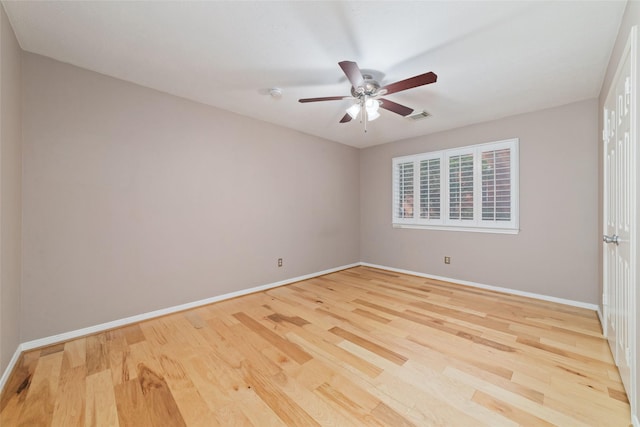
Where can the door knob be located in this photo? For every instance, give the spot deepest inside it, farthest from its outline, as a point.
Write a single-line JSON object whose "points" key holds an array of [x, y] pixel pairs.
{"points": [[611, 239]]}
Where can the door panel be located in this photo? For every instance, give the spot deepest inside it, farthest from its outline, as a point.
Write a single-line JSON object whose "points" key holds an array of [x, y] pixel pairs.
{"points": [[620, 214]]}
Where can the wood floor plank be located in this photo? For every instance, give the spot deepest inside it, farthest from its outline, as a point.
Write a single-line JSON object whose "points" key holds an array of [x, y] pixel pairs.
{"points": [[69, 409], [511, 405], [340, 400], [318, 340], [130, 402], [159, 399], [362, 346], [97, 356], [390, 417], [285, 407], [381, 351], [292, 350], [216, 385], [40, 400], [192, 406], [76, 352], [318, 409], [515, 414], [427, 409], [101, 408], [17, 387]]}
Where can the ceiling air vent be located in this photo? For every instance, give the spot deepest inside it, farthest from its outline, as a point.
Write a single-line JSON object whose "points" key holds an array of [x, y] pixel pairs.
{"points": [[419, 116]]}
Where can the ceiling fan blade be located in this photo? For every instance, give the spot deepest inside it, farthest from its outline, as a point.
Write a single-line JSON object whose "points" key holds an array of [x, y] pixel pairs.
{"points": [[324, 98], [346, 118], [395, 107], [353, 73], [422, 79]]}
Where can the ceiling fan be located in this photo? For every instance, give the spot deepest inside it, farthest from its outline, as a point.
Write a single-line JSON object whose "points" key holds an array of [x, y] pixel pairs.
{"points": [[368, 93]]}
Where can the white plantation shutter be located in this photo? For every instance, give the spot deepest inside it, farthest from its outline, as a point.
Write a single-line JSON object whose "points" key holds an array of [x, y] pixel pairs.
{"points": [[472, 188], [461, 187], [496, 185], [404, 197], [430, 188]]}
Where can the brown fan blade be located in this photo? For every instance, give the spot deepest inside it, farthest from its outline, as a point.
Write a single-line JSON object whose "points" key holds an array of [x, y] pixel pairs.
{"points": [[395, 107], [352, 72], [325, 98], [346, 118], [422, 79]]}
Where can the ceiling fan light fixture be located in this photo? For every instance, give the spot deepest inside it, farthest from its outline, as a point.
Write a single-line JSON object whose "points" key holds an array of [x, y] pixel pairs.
{"points": [[372, 115], [372, 105], [354, 110]]}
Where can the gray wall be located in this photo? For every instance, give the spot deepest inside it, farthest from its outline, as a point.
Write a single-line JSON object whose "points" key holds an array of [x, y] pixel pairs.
{"points": [[631, 17], [135, 200], [556, 252], [10, 192]]}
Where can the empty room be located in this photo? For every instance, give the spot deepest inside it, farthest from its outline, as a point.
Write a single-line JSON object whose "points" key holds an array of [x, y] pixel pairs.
{"points": [[319, 213]]}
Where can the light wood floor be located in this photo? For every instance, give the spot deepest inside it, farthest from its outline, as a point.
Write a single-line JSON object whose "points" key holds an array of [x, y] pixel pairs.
{"points": [[357, 347]]}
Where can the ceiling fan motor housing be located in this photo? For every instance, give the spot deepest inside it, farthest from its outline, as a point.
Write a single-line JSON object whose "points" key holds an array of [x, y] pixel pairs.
{"points": [[369, 87]]}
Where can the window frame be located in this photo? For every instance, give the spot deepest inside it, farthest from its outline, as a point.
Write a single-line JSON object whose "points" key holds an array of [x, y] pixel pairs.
{"points": [[444, 222]]}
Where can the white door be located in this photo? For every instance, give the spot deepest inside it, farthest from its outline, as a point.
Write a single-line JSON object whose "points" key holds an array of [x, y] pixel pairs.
{"points": [[620, 215]]}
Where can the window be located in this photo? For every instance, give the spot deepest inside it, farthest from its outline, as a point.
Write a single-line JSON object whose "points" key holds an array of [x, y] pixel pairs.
{"points": [[471, 188]]}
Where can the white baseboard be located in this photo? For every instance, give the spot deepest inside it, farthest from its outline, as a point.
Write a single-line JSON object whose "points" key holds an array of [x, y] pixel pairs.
{"points": [[54, 339], [12, 364], [572, 303]]}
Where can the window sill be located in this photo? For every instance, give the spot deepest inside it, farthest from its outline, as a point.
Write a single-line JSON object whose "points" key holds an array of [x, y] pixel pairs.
{"points": [[456, 228]]}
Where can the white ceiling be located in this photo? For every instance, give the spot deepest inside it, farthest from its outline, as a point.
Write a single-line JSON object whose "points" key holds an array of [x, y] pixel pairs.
{"points": [[493, 59]]}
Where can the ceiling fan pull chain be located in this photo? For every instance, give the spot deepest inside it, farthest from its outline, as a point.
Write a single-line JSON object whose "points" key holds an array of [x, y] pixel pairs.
{"points": [[364, 112]]}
